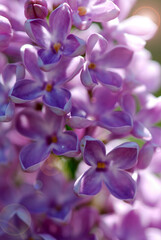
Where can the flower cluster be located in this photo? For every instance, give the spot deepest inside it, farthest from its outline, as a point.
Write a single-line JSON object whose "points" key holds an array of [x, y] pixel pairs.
{"points": [[80, 124]]}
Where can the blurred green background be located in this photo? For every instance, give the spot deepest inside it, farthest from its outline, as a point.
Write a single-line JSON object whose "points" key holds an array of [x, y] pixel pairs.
{"points": [[153, 9]]}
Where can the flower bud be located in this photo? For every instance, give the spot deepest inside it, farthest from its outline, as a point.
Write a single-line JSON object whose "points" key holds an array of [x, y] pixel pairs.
{"points": [[36, 9]]}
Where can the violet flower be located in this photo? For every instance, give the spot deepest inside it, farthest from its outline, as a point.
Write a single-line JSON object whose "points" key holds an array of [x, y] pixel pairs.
{"points": [[55, 40], [109, 169], [48, 135], [85, 12], [99, 62], [47, 86]]}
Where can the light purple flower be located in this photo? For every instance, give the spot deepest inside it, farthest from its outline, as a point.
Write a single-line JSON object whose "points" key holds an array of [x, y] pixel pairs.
{"points": [[55, 40], [99, 62], [84, 12], [109, 169]]}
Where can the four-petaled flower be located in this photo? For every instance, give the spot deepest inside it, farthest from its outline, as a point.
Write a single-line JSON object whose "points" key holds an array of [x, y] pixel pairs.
{"points": [[109, 169]]}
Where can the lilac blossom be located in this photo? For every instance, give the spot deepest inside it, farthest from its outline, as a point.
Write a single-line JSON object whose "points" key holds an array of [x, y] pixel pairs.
{"points": [[108, 169], [100, 62], [48, 135], [47, 86], [55, 40], [86, 12]]}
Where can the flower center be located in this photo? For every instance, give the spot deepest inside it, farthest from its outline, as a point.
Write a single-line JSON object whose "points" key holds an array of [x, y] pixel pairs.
{"points": [[101, 165], [49, 87], [54, 139], [92, 66], [82, 11], [57, 46]]}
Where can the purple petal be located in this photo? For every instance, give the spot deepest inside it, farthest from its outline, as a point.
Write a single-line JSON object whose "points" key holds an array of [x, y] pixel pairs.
{"points": [[140, 26], [5, 33], [124, 156], [140, 131], [117, 122], [58, 100], [66, 69], [38, 31], [133, 42], [118, 57], [145, 156], [74, 46], [31, 124], [26, 90], [120, 184], [111, 80], [79, 122], [67, 144], [47, 59], [12, 73], [35, 202], [28, 52], [33, 154], [93, 151], [86, 77], [7, 112], [105, 99], [128, 104], [89, 183], [104, 11], [96, 41], [60, 22]]}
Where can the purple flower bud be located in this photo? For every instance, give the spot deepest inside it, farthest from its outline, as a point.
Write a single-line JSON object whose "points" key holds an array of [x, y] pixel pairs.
{"points": [[36, 9]]}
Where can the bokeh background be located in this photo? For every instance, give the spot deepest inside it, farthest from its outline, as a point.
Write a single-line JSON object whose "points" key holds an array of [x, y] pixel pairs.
{"points": [[152, 9]]}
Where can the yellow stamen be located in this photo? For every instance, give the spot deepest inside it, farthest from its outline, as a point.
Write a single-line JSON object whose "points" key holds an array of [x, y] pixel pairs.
{"points": [[92, 66], [82, 11], [49, 87], [57, 47], [54, 139], [101, 165]]}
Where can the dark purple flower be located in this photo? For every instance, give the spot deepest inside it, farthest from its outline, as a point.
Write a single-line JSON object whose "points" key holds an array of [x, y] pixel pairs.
{"points": [[48, 135], [55, 40], [109, 169]]}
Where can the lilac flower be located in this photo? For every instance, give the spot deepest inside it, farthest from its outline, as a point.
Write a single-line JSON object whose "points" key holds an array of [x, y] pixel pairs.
{"points": [[55, 198], [76, 229], [36, 9], [55, 40], [48, 135], [99, 61], [109, 169], [85, 12], [131, 32], [46, 85]]}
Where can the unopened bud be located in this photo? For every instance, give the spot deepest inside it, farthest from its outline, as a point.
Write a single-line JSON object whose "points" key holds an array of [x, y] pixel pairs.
{"points": [[36, 9]]}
